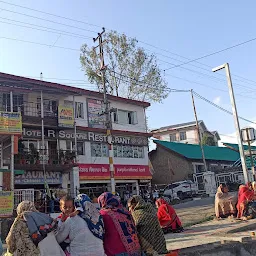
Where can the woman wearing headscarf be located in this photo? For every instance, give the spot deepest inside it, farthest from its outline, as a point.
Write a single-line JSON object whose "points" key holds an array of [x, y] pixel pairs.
{"points": [[245, 196], [84, 229], [120, 233], [150, 234], [225, 203], [168, 219], [29, 230]]}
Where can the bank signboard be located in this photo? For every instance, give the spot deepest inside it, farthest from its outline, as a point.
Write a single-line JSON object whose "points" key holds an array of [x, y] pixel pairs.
{"points": [[66, 117], [10, 123], [37, 177], [85, 136], [101, 171]]}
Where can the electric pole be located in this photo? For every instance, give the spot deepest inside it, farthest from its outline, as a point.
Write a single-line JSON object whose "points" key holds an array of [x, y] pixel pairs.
{"points": [[198, 131], [107, 111]]}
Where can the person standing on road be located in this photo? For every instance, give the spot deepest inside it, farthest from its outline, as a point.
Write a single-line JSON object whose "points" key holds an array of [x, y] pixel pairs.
{"points": [[150, 234], [168, 219]]}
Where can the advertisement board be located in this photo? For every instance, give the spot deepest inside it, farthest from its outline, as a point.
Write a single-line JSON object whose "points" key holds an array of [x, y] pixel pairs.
{"points": [[101, 171], [37, 177], [6, 203], [66, 117], [95, 117], [10, 123]]}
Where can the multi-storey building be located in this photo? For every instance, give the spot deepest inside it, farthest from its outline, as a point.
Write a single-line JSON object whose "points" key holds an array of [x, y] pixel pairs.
{"points": [[75, 155], [184, 133]]}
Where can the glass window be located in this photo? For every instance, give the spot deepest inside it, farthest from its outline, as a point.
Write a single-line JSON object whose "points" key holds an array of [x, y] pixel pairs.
{"points": [[79, 113], [183, 136], [125, 117], [127, 151], [69, 145], [80, 148], [99, 150], [173, 137]]}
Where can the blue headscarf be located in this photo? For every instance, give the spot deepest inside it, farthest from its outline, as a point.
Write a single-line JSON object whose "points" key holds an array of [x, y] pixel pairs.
{"points": [[90, 214]]}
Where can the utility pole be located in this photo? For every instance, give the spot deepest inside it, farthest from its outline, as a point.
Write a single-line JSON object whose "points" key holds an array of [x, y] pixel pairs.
{"points": [[107, 111], [198, 131], [235, 115]]}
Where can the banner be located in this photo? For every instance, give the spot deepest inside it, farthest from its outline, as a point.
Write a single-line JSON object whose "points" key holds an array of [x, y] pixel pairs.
{"points": [[101, 172], [10, 123], [6, 203], [95, 117], [66, 117], [37, 177]]}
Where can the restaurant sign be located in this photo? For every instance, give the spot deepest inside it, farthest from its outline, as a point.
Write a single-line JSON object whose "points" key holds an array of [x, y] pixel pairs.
{"points": [[101, 171], [6, 203], [37, 177], [85, 136]]}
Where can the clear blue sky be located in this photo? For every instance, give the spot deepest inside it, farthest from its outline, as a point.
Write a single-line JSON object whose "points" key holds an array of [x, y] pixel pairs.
{"points": [[188, 28]]}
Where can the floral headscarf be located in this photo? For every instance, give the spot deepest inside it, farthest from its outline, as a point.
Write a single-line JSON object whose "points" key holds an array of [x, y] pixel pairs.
{"points": [[24, 207], [90, 214], [108, 200]]}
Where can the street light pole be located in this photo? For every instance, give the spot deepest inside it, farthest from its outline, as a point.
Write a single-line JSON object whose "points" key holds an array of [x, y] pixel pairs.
{"points": [[235, 115]]}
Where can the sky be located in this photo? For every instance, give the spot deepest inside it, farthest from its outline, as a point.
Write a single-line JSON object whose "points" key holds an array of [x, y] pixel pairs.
{"points": [[176, 31]]}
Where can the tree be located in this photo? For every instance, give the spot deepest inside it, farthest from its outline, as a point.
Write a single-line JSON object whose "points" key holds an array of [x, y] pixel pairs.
{"points": [[208, 140], [131, 71]]}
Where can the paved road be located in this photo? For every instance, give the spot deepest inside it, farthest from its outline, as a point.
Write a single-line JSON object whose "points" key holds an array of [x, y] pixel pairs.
{"points": [[208, 201]]}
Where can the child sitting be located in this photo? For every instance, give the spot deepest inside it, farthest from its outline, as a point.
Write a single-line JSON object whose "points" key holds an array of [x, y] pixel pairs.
{"points": [[67, 208]]}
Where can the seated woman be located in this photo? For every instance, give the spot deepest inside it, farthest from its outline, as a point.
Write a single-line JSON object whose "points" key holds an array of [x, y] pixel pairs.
{"points": [[225, 203], [29, 234], [85, 230], [168, 219], [120, 233], [245, 197], [150, 234]]}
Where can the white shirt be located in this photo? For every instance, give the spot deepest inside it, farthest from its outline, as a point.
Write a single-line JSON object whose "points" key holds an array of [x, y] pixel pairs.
{"points": [[82, 241]]}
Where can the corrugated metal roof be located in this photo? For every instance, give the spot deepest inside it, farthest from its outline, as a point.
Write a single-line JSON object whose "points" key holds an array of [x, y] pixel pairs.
{"points": [[192, 151]]}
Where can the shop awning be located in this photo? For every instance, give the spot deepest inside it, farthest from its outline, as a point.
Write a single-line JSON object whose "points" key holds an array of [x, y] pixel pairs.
{"points": [[247, 161], [16, 172]]}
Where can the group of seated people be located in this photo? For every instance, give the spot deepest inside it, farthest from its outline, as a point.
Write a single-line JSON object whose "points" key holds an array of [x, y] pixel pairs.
{"points": [[82, 229], [241, 205]]}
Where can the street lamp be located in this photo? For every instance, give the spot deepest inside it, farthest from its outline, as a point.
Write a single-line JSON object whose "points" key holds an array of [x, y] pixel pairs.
{"points": [[234, 110]]}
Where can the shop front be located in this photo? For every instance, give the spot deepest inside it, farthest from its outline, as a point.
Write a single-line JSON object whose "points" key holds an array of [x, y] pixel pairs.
{"points": [[95, 178]]}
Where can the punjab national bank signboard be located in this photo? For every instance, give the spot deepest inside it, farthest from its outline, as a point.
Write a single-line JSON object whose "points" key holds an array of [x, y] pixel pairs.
{"points": [[101, 172]]}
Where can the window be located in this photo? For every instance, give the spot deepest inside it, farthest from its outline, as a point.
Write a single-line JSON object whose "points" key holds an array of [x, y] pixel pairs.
{"points": [[79, 108], [198, 168], [125, 117], [127, 151], [183, 136], [173, 137], [6, 102], [50, 107], [80, 148], [99, 150], [79, 111]]}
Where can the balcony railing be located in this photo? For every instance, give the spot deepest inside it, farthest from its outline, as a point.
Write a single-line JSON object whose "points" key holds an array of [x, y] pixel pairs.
{"points": [[33, 109], [46, 157]]}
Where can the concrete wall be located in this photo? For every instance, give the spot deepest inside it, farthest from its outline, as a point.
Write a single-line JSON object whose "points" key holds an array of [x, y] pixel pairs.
{"points": [[169, 167]]}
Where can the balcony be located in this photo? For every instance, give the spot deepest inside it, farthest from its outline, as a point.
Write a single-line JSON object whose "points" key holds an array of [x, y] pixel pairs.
{"points": [[51, 160], [31, 112]]}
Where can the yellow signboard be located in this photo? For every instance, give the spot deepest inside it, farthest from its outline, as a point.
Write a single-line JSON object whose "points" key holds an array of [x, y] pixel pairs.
{"points": [[66, 117], [6, 203], [10, 123]]}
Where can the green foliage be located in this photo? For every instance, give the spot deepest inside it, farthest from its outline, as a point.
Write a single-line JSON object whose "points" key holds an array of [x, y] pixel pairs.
{"points": [[131, 71], [208, 140]]}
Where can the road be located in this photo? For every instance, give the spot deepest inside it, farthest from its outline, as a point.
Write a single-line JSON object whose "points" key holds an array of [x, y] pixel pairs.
{"points": [[195, 203]]}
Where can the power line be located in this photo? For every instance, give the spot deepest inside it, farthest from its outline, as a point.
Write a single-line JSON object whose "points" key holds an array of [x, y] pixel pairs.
{"points": [[42, 44], [219, 107], [46, 29], [51, 14], [59, 23]]}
